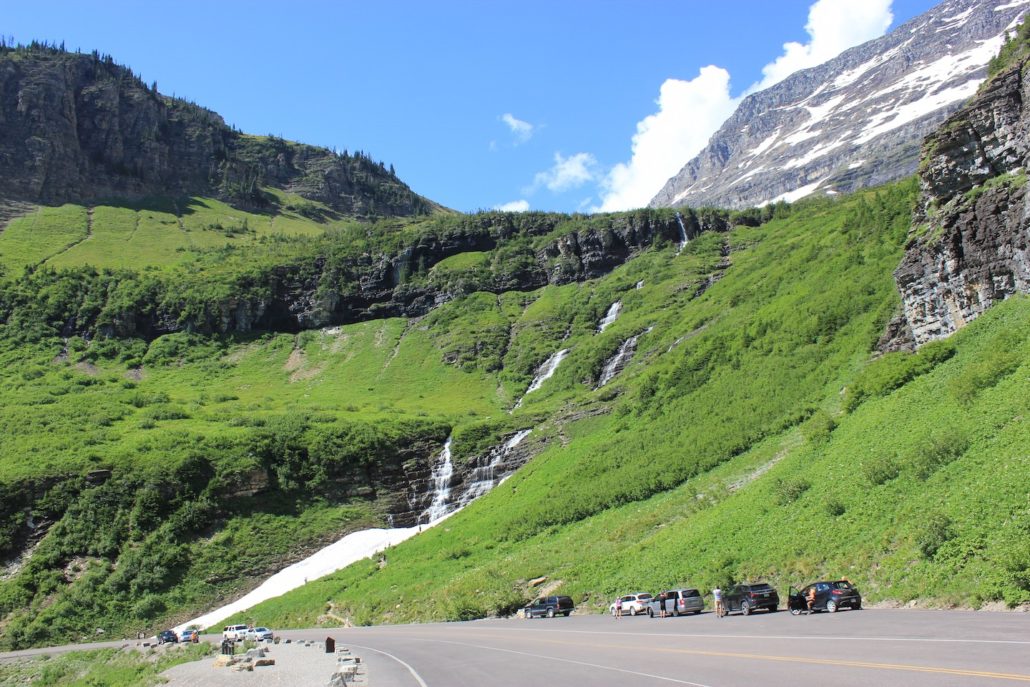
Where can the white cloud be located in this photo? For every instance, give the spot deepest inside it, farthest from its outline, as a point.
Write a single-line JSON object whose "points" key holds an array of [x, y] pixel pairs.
{"points": [[689, 112], [522, 131], [833, 27], [567, 173], [513, 206]]}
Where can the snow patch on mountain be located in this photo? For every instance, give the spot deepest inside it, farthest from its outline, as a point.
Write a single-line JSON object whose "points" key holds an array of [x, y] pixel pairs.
{"points": [[854, 121]]}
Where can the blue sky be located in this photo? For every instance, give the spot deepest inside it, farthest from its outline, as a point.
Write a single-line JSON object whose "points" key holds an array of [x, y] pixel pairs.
{"points": [[553, 105]]}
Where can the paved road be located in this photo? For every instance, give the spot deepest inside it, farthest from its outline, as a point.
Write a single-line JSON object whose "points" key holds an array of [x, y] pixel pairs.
{"points": [[907, 648], [861, 648]]}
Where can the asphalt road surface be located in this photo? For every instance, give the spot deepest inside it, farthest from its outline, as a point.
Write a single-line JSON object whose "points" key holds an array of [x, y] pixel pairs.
{"points": [[860, 648], [909, 648]]}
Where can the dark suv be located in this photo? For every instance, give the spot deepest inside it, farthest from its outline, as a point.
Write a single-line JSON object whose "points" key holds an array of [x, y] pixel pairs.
{"points": [[549, 606], [829, 596], [751, 597]]}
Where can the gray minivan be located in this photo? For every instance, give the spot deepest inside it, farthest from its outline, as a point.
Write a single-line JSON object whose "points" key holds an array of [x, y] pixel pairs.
{"points": [[677, 602]]}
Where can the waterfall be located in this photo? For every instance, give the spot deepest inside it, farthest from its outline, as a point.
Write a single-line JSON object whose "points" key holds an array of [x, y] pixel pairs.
{"points": [[640, 284], [442, 474], [609, 317], [683, 233], [617, 361], [544, 372], [484, 478]]}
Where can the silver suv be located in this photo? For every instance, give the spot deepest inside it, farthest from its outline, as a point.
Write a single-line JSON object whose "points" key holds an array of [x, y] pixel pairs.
{"points": [[677, 602]]}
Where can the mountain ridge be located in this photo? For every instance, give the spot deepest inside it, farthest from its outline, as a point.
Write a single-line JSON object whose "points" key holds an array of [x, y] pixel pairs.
{"points": [[78, 127], [852, 122]]}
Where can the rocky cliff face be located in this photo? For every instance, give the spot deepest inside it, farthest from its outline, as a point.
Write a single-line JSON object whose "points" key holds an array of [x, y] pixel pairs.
{"points": [[323, 292], [970, 245], [74, 128], [852, 122]]}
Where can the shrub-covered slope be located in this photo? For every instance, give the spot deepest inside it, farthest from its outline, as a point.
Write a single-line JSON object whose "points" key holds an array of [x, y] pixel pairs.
{"points": [[753, 438], [750, 433]]}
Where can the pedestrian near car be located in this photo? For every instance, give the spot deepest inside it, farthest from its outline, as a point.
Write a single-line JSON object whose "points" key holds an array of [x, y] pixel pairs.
{"points": [[661, 604], [717, 597], [810, 600], [618, 607]]}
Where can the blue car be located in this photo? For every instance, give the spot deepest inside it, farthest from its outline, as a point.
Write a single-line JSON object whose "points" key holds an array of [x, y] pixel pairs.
{"points": [[168, 636]]}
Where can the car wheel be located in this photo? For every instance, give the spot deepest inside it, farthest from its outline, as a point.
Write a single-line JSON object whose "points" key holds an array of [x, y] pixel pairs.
{"points": [[773, 609], [550, 612], [745, 608], [831, 606], [857, 606], [567, 613]]}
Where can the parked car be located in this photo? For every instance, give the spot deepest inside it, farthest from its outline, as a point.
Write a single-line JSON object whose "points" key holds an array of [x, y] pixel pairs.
{"points": [[677, 602], [751, 597], [259, 633], [235, 632], [829, 596], [187, 634], [168, 636], [632, 604], [549, 606]]}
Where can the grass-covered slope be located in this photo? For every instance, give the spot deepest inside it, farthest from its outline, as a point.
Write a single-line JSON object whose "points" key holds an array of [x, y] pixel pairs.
{"points": [[754, 437], [750, 434]]}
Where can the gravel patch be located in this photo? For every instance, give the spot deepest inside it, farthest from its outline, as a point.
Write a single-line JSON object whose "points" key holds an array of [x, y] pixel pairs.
{"points": [[295, 664]]}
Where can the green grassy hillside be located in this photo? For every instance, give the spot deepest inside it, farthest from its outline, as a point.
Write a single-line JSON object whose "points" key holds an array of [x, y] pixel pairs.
{"points": [[766, 444], [752, 433]]}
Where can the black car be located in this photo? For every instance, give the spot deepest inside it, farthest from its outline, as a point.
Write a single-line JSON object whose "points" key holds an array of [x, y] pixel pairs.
{"points": [[829, 596], [167, 636], [549, 606], [751, 597]]}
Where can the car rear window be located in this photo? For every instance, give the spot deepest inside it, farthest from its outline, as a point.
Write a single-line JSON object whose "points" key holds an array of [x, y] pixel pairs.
{"points": [[643, 597], [842, 584], [687, 593], [760, 588]]}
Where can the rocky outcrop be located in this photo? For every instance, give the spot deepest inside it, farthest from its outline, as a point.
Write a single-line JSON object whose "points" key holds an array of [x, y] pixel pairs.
{"points": [[75, 128], [853, 122], [970, 242]]}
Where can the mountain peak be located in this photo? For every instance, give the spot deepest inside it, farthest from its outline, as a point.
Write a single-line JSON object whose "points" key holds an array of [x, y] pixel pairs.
{"points": [[855, 121]]}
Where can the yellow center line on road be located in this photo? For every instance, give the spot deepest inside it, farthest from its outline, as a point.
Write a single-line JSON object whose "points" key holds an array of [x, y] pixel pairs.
{"points": [[843, 663]]}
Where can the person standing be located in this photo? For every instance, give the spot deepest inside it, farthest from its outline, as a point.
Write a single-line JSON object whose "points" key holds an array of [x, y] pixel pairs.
{"points": [[618, 607], [717, 596], [661, 604]]}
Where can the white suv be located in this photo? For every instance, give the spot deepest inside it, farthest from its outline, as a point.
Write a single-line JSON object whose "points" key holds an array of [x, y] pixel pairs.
{"points": [[234, 632], [632, 604]]}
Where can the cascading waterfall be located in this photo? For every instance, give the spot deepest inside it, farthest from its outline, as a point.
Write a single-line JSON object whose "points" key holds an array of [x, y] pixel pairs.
{"points": [[684, 240], [364, 543], [544, 372], [484, 478], [615, 363], [609, 317], [442, 474], [640, 284]]}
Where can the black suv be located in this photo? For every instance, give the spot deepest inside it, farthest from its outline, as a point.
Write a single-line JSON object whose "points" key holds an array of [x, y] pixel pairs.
{"points": [[751, 597], [829, 596], [549, 606]]}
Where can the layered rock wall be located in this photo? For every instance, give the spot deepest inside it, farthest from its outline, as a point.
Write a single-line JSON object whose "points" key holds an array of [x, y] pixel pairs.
{"points": [[970, 242]]}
